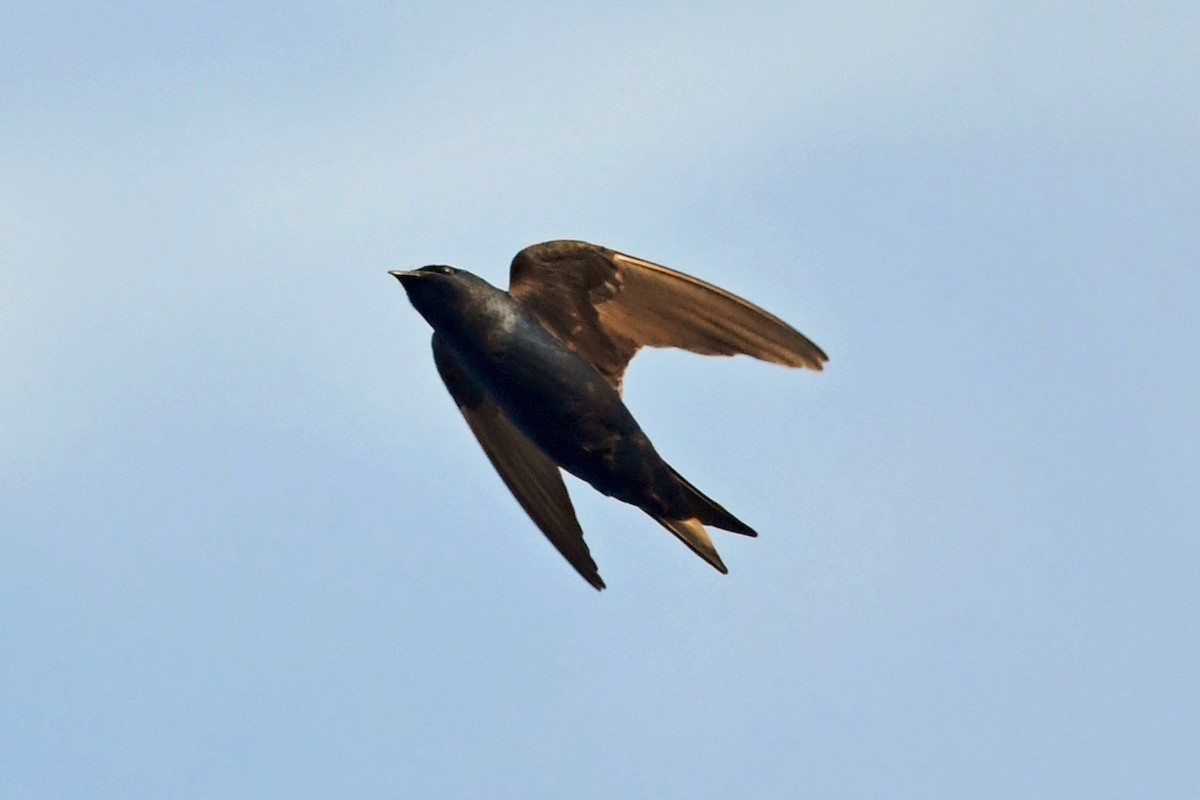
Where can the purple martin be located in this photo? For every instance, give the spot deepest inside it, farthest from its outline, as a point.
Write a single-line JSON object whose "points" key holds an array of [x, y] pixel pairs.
{"points": [[537, 371]]}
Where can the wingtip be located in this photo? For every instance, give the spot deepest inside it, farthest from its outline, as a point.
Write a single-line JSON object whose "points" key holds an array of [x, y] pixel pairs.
{"points": [[806, 355]]}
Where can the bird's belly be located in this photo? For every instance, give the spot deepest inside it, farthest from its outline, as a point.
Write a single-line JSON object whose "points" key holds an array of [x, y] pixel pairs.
{"points": [[572, 413]]}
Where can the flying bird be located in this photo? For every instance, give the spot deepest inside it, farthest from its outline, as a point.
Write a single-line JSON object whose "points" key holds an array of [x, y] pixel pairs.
{"points": [[537, 373]]}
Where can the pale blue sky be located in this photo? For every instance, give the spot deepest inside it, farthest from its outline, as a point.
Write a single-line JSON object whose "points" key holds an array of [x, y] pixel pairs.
{"points": [[248, 548]]}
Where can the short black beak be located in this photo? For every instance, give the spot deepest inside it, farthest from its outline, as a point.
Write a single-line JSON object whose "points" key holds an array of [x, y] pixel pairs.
{"points": [[401, 274]]}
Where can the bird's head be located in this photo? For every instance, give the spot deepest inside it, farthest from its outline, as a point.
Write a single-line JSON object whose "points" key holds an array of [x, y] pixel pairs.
{"points": [[440, 292], [430, 287]]}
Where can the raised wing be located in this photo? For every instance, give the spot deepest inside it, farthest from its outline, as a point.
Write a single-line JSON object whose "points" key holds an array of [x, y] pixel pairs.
{"points": [[606, 305], [532, 477]]}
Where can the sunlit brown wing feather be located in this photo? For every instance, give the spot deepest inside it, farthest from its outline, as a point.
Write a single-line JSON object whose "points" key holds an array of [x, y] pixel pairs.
{"points": [[533, 479], [605, 305]]}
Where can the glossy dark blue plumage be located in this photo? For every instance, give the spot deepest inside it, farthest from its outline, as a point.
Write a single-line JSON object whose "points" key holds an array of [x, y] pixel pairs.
{"points": [[537, 373]]}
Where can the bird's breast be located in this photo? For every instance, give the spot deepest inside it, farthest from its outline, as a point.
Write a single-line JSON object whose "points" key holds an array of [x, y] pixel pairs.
{"points": [[558, 399]]}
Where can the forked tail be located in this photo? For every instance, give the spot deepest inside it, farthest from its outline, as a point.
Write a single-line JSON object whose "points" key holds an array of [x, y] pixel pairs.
{"points": [[707, 511]]}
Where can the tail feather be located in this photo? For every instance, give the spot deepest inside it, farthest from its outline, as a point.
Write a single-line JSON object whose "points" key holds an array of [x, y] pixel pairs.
{"points": [[710, 512], [691, 532]]}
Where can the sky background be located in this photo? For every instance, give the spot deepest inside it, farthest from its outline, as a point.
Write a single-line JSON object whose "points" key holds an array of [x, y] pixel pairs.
{"points": [[248, 548]]}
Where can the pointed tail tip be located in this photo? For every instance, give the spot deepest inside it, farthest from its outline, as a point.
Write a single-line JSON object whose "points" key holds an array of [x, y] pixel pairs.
{"points": [[692, 533], [718, 517], [735, 525], [709, 511]]}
